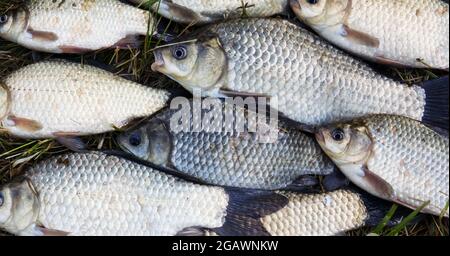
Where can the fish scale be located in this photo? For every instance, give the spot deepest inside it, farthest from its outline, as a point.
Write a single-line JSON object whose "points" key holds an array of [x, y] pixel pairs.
{"points": [[82, 99], [109, 196], [230, 157], [413, 159], [75, 26], [300, 69], [205, 11], [403, 31]]}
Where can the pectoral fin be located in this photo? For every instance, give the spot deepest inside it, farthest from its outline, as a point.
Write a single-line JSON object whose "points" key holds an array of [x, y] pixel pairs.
{"points": [[177, 12], [42, 35], [73, 49], [25, 124], [229, 93], [70, 141], [51, 232], [131, 41], [386, 61], [378, 185], [359, 37]]}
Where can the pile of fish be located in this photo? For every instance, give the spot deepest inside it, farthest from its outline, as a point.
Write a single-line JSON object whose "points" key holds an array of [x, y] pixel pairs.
{"points": [[337, 142]]}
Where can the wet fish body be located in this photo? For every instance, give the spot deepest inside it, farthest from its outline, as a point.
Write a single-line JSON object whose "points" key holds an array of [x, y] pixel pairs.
{"points": [[59, 98], [200, 11], [75, 26], [313, 82], [229, 152], [394, 158], [411, 33], [97, 194]]}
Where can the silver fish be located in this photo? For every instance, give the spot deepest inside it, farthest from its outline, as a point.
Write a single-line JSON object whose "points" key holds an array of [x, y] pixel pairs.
{"points": [[392, 157], [75, 26], [313, 83], [223, 152], [54, 99], [94, 194], [200, 11], [411, 33]]}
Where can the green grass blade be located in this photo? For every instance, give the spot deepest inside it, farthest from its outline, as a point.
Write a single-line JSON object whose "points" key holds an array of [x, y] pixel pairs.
{"points": [[397, 229], [379, 229]]}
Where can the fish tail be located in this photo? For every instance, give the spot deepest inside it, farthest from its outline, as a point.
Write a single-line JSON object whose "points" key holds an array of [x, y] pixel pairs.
{"points": [[436, 103], [245, 208]]}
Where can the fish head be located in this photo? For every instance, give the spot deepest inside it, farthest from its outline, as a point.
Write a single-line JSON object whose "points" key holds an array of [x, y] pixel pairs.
{"points": [[195, 64], [320, 12], [151, 142], [13, 24], [5, 101], [19, 206], [345, 143]]}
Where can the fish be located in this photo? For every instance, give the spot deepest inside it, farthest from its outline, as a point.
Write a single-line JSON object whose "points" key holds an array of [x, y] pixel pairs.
{"points": [[95, 194], [228, 151], [308, 80], [392, 157], [408, 33], [61, 99], [202, 12], [75, 26]]}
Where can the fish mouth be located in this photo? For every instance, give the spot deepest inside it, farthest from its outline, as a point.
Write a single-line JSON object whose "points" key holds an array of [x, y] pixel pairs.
{"points": [[296, 7], [159, 62]]}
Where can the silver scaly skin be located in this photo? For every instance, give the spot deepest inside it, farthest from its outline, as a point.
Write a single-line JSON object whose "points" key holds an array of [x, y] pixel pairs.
{"points": [[411, 33], [75, 26], [392, 157], [207, 11], [58, 98], [313, 82], [224, 153]]}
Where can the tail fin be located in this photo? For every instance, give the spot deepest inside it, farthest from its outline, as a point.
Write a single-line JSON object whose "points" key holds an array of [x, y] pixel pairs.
{"points": [[436, 103], [245, 208]]}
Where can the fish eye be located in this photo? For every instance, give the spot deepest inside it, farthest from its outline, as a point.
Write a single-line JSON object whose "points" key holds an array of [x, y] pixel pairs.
{"points": [[1, 199], [312, 1], [180, 52], [3, 18], [338, 134], [135, 139]]}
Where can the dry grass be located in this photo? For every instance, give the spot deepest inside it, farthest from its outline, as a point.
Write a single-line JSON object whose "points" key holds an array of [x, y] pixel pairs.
{"points": [[16, 155]]}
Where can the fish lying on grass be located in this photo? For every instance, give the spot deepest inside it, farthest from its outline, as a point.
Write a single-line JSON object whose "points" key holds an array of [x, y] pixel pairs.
{"points": [[75, 26], [228, 151], [98, 194], [392, 157], [313, 83], [60, 99], [200, 11], [411, 33]]}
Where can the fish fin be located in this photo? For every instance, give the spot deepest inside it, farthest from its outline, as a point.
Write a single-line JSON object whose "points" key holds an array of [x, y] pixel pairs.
{"points": [[177, 12], [69, 49], [229, 93], [192, 231], [436, 103], [359, 37], [70, 141], [51, 232], [245, 208], [389, 62], [378, 208], [303, 184], [130, 41], [26, 124], [377, 184], [335, 181], [42, 35]]}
